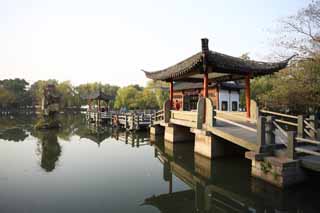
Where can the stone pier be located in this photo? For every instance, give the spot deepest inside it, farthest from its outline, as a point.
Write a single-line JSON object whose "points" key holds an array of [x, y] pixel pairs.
{"points": [[156, 130], [281, 172], [175, 133], [203, 165], [207, 145]]}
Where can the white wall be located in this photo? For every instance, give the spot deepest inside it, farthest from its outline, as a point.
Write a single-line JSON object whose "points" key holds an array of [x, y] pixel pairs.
{"points": [[234, 96], [225, 95]]}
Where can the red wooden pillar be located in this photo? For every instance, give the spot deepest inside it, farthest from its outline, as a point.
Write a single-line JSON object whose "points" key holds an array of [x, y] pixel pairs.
{"points": [[205, 85], [247, 79], [217, 98], [171, 93]]}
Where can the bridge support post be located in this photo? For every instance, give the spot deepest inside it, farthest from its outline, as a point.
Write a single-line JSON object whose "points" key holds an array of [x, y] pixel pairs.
{"points": [[175, 133], [203, 165], [156, 130], [206, 145]]}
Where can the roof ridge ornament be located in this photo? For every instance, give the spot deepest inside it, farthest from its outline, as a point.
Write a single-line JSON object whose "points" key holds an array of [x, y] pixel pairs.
{"points": [[205, 45], [205, 52]]}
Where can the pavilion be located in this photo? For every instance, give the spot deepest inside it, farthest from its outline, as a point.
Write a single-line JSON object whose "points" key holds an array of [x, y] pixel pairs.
{"points": [[98, 96], [209, 66]]}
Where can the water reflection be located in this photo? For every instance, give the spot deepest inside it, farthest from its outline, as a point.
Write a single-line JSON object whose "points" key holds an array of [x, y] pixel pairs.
{"points": [[49, 149], [104, 176], [96, 134], [135, 139], [13, 134], [223, 185]]}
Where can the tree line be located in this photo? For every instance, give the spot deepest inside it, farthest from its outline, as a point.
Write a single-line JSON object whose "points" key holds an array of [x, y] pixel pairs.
{"points": [[18, 93]]}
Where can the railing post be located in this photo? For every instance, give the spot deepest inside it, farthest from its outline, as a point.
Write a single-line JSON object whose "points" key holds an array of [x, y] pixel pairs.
{"points": [[300, 129], [270, 137], [261, 135], [167, 111], [312, 122], [209, 113], [315, 124], [291, 154], [200, 113]]}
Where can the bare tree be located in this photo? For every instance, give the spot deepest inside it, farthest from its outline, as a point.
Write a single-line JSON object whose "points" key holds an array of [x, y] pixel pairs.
{"points": [[301, 32]]}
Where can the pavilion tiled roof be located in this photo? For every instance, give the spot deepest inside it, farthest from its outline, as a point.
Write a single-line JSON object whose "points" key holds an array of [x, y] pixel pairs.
{"points": [[99, 95], [219, 63]]}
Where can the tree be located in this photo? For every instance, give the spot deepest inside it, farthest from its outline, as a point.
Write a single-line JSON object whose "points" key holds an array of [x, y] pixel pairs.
{"points": [[295, 89], [161, 90], [128, 97], [6, 97], [148, 100], [69, 98], [36, 91], [300, 33], [17, 90]]}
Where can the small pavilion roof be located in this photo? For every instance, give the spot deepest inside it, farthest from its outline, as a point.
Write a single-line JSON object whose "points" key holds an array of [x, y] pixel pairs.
{"points": [[99, 96], [220, 67]]}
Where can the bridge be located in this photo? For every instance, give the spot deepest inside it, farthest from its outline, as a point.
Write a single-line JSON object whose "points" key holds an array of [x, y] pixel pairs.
{"points": [[274, 140], [278, 145]]}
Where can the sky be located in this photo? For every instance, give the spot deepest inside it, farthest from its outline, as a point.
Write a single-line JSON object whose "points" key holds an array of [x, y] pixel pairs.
{"points": [[111, 41]]}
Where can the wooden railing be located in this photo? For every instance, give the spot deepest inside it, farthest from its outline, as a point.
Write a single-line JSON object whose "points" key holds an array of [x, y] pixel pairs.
{"points": [[158, 117], [132, 121]]}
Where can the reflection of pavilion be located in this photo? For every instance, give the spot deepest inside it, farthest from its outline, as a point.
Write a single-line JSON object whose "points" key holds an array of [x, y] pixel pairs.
{"points": [[219, 186], [136, 139], [94, 133]]}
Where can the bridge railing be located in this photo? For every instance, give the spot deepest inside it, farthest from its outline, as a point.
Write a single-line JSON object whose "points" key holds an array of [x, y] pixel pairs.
{"points": [[304, 126], [158, 116], [271, 130]]}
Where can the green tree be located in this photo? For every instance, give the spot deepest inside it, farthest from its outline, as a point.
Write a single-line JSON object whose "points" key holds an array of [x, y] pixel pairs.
{"points": [[6, 97], [161, 90], [17, 88], [129, 97], [295, 89]]}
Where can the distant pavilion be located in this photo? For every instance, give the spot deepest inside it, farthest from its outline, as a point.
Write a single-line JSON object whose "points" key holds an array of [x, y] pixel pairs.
{"points": [[208, 66], [98, 96]]}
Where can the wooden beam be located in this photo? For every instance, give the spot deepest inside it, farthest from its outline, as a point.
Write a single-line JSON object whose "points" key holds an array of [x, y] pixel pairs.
{"points": [[248, 99]]}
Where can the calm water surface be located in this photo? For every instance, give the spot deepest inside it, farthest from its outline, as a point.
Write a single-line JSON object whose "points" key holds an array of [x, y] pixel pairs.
{"points": [[84, 169]]}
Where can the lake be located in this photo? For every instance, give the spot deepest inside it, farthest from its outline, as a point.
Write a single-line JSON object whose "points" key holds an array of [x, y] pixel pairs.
{"points": [[82, 168]]}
